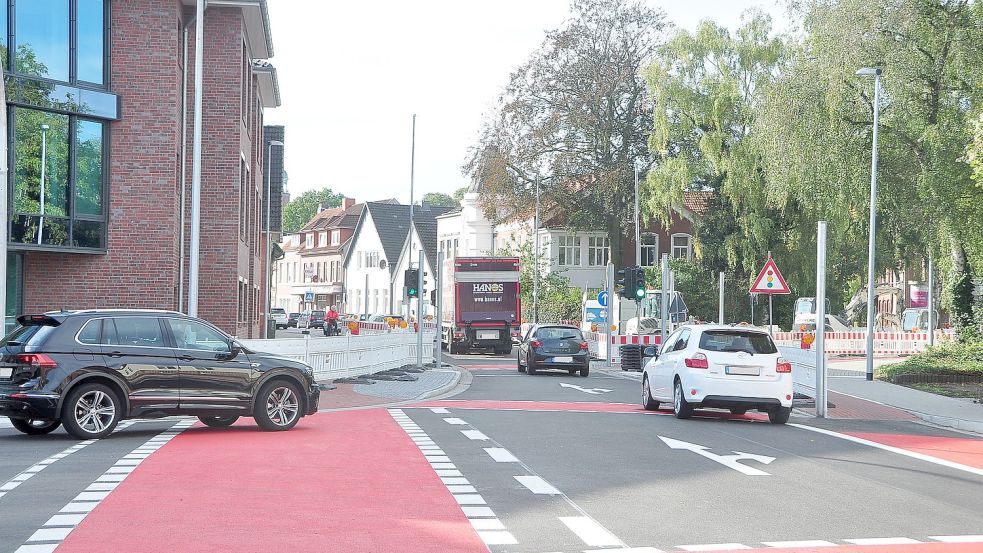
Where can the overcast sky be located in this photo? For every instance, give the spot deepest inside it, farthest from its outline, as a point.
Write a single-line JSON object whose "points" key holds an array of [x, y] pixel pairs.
{"points": [[352, 74]]}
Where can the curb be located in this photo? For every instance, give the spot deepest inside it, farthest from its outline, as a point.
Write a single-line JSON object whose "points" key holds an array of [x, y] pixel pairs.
{"points": [[937, 420], [450, 386]]}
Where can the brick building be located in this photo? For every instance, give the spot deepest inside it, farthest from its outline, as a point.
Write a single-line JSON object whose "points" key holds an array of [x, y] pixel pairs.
{"points": [[96, 93]]}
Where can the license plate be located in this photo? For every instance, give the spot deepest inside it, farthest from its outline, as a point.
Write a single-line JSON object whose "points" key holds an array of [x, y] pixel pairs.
{"points": [[746, 371], [563, 359], [488, 335], [6, 372]]}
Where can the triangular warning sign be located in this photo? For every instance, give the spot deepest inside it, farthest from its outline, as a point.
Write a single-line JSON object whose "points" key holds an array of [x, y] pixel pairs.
{"points": [[770, 280]]}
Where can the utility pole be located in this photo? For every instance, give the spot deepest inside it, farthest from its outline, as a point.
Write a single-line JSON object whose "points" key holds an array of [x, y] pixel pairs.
{"points": [[871, 244], [3, 207], [535, 257], [821, 321], [664, 322], [638, 230], [419, 312], [931, 301], [439, 315], [196, 163], [721, 310]]}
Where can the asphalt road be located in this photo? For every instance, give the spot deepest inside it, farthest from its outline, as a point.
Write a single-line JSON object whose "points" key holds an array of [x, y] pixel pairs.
{"points": [[514, 463]]}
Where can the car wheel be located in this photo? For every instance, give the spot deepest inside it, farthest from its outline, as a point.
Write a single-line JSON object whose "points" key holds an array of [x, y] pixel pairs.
{"points": [[648, 403], [779, 415], [585, 372], [518, 363], [91, 411], [277, 406], [35, 427], [680, 407], [219, 422], [529, 368], [736, 411]]}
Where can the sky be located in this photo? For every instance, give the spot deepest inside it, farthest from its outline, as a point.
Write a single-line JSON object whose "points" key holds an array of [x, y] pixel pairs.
{"points": [[352, 74]]}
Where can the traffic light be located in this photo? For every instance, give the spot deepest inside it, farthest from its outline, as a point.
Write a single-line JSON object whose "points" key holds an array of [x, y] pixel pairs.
{"points": [[638, 283], [622, 282], [433, 297], [411, 281]]}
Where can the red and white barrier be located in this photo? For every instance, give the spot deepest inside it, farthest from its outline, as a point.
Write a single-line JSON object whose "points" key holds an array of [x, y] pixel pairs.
{"points": [[855, 343], [598, 346]]}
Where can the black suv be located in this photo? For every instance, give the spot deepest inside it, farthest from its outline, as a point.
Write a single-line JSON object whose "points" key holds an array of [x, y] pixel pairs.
{"points": [[90, 369], [316, 319]]}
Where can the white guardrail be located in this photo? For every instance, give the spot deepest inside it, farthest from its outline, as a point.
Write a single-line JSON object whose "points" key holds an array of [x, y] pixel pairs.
{"points": [[350, 355], [855, 343], [803, 369]]}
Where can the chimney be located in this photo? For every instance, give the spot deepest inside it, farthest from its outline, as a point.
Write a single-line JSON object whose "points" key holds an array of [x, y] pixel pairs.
{"points": [[349, 202], [320, 207]]}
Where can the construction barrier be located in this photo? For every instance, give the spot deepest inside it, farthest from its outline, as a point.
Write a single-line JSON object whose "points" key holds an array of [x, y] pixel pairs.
{"points": [[597, 345], [855, 343]]}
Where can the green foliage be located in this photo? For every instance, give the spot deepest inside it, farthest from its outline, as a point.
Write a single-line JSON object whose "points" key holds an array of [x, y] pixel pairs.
{"points": [[557, 300], [948, 358], [440, 199], [962, 306], [459, 193], [303, 208]]}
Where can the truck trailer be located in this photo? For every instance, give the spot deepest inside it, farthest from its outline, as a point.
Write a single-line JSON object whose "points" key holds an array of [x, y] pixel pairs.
{"points": [[481, 306]]}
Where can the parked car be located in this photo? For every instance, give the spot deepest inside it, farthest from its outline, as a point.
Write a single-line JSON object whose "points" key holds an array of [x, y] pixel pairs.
{"points": [[554, 347], [279, 316], [315, 319], [88, 370], [302, 319], [718, 366], [292, 320], [382, 318]]}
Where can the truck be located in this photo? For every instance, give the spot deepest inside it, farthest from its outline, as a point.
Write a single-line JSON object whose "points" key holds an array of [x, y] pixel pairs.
{"points": [[481, 307]]}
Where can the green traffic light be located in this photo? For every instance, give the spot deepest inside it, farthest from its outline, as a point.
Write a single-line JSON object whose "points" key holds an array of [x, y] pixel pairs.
{"points": [[640, 293]]}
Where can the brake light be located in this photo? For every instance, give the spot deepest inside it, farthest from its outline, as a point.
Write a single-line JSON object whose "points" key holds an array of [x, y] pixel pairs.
{"points": [[584, 346], [535, 344], [783, 366], [698, 361], [36, 360]]}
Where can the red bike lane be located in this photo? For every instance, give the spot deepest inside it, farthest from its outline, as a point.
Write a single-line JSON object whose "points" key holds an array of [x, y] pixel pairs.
{"points": [[346, 481]]}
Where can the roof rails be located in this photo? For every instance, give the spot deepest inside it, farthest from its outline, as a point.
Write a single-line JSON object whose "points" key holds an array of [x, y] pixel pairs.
{"points": [[119, 310]]}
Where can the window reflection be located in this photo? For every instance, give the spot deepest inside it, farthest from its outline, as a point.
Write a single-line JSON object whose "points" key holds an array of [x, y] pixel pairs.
{"points": [[42, 31], [88, 168], [41, 158], [90, 41]]}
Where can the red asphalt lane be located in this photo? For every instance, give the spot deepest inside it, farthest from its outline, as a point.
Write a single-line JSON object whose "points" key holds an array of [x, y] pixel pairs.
{"points": [[348, 482], [966, 451]]}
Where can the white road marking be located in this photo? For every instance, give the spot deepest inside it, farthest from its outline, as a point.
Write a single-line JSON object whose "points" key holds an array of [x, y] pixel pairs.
{"points": [[799, 544], [451, 481], [439, 460], [892, 449], [730, 461], [497, 537], [882, 541], [591, 532], [592, 391], [487, 524], [475, 512], [714, 547], [455, 420], [537, 485], [29, 473], [461, 488], [474, 435], [501, 455], [58, 527], [628, 550], [469, 499], [443, 465], [440, 411], [958, 539], [444, 472]]}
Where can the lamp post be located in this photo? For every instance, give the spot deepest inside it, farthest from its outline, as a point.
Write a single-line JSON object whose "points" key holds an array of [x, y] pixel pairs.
{"points": [[535, 257], [44, 166], [268, 275], [876, 73]]}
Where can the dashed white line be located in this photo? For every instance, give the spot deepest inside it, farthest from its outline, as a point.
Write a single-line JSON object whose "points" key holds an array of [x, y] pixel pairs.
{"points": [[715, 547], [537, 485], [958, 539], [882, 541], [799, 544], [477, 512], [501, 455], [29, 473], [455, 421], [474, 435], [497, 537], [440, 411], [627, 550], [591, 532]]}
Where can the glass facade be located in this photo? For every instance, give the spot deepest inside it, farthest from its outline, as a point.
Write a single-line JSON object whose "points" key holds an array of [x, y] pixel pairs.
{"points": [[57, 120]]}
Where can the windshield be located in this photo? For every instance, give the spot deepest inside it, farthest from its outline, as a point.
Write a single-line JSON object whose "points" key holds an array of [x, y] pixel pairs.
{"points": [[805, 305], [31, 334], [558, 333], [737, 341]]}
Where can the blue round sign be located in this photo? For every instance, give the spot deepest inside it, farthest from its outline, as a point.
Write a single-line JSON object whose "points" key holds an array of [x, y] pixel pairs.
{"points": [[602, 298]]}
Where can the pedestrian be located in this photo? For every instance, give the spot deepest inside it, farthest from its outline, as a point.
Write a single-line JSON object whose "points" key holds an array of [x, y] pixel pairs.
{"points": [[332, 327]]}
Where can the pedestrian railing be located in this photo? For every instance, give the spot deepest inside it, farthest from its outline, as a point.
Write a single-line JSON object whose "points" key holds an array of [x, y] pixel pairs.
{"points": [[855, 343], [350, 355]]}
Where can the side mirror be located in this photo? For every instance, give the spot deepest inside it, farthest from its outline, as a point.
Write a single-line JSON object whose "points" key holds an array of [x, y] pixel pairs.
{"points": [[650, 351], [234, 351]]}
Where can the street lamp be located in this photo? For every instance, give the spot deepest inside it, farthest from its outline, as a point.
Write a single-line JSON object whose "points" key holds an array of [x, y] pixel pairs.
{"points": [[268, 276], [535, 277], [44, 165], [876, 73]]}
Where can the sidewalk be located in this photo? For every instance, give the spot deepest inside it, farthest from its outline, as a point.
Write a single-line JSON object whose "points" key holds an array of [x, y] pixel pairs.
{"points": [[430, 383], [962, 414]]}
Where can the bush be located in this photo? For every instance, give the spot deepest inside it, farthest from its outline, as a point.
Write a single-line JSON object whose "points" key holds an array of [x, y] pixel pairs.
{"points": [[949, 358]]}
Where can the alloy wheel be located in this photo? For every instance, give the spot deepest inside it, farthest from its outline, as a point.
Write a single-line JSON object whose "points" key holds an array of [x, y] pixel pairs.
{"points": [[94, 411], [282, 406]]}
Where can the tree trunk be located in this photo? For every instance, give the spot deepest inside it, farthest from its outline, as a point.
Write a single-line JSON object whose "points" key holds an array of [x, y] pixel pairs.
{"points": [[617, 240]]}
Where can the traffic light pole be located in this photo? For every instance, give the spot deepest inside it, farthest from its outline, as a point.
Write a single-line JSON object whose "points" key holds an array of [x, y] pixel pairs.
{"points": [[439, 315], [419, 313]]}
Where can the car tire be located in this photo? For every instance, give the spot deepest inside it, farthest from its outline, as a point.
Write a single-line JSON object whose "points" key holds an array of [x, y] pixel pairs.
{"points": [[779, 415], [736, 411], [530, 370], [585, 372], [219, 422], [35, 427], [91, 411], [572, 371], [518, 363], [680, 407], [278, 406], [648, 403]]}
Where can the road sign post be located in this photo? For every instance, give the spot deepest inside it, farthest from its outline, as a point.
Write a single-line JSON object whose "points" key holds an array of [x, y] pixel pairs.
{"points": [[771, 282], [821, 320], [607, 318]]}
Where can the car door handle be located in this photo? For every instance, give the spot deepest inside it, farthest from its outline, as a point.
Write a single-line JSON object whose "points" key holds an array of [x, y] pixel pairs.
{"points": [[186, 358], [115, 354]]}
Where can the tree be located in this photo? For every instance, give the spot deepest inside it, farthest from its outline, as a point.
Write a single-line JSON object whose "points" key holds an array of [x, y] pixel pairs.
{"points": [[440, 199], [460, 192], [303, 208], [575, 117]]}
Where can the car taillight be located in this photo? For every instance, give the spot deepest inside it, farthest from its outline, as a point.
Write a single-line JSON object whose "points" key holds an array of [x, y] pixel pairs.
{"points": [[698, 361], [783, 366], [584, 346], [37, 360], [535, 344]]}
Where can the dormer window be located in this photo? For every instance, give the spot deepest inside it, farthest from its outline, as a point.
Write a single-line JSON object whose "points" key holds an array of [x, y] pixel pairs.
{"points": [[309, 240]]}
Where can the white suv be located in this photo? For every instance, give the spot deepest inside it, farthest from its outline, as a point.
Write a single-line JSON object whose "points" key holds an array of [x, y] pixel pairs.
{"points": [[718, 366], [279, 316]]}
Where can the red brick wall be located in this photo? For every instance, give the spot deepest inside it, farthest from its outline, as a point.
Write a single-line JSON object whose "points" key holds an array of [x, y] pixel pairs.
{"points": [[678, 225], [140, 269]]}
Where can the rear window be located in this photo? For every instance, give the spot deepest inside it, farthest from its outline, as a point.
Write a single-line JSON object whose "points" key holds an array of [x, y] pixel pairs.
{"points": [[31, 334], [736, 341], [278, 311], [559, 333], [317, 314]]}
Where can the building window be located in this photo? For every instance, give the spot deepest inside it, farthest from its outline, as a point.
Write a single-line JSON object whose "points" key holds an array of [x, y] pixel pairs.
{"points": [[242, 199], [598, 250], [335, 237], [371, 260], [309, 240], [568, 250], [322, 239], [42, 28], [650, 250], [454, 256], [58, 179], [682, 246]]}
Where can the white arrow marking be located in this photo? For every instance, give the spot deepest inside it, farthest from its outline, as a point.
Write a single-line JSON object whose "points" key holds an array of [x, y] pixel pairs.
{"points": [[732, 461], [592, 391]]}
